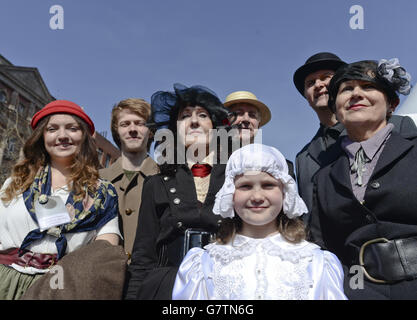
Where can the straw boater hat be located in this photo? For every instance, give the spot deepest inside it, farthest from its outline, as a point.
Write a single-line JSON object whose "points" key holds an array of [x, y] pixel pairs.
{"points": [[249, 98]]}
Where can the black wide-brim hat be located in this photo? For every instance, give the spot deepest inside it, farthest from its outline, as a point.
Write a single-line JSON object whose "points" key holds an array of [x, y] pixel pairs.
{"points": [[165, 106], [319, 61]]}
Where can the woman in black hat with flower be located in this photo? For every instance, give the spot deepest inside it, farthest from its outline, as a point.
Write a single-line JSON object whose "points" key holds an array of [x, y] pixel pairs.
{"points": [[365, 202], [176, 210]]}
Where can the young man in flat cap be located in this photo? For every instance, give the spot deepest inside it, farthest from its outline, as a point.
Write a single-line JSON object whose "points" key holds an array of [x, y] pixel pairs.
{"points": [[251, 114], [129, 171], [312, 80]]}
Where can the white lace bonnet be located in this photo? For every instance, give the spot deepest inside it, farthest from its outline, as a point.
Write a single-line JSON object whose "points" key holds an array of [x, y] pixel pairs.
{"points": [[258, 157]]}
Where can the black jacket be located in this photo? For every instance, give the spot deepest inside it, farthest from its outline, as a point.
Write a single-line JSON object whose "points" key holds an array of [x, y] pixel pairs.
{"points": [[316, 155], [341, 224], [169, 207]]}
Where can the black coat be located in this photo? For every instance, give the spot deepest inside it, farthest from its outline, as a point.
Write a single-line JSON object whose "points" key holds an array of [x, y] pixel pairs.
{"points": [[341, 224], [162, 221], [290, 168], [316, 155], [312, 157]]}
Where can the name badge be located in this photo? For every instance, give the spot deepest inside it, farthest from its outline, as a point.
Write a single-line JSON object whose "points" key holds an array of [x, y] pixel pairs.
{"points": [[51, 214]]}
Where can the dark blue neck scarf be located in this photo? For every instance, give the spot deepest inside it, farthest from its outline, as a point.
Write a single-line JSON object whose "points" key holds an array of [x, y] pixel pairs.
{"points": [[90, 213]]}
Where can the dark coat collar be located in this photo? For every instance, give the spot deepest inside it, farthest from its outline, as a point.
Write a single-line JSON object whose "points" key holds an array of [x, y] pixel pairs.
{"points": [[394, 149], [317, 148]]}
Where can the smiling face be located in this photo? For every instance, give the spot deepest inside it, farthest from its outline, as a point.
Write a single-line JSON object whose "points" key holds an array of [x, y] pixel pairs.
{"points": [[248, 118], [193, 125], [361, 106], [132, 132], [258, 201], [315, 88], [62, 137]]}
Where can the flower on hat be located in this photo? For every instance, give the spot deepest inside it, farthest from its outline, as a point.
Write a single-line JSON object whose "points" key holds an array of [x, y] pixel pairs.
{"points": [[392, 71]]}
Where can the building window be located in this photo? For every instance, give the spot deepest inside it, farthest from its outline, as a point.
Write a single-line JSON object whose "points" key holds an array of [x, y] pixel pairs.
{"points": [[100, 154], [9, 152], [31, 110], [21, 109], [3, 96], [14, 99], [108, 158]]}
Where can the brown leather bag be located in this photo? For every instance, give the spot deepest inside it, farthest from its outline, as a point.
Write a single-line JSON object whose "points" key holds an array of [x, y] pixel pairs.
{"points": [[93, 272]]}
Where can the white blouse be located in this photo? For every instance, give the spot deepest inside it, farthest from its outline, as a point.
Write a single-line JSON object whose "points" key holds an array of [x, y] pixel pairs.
{"points": [[16, 223], [259, 269]]}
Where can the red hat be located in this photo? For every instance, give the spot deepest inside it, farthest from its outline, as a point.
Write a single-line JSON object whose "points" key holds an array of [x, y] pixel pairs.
{"points": [[62, 106]]}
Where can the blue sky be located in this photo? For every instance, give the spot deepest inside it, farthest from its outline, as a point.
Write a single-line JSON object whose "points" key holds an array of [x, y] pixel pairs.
{"points": [[111, 50]]}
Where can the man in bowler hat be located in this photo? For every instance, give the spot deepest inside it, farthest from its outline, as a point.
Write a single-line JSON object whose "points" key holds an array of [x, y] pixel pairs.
{"points": [[312, 80]]}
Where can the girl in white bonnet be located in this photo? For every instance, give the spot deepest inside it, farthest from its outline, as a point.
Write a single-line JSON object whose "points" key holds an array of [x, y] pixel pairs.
{"points": [[260, 251]]}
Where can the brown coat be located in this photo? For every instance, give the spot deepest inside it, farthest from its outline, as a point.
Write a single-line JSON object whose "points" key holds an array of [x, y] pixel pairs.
{"points": [[129, 193]]}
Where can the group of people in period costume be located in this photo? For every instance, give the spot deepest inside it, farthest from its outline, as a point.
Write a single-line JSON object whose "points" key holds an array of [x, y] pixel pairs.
{"points": [[233, 221]]}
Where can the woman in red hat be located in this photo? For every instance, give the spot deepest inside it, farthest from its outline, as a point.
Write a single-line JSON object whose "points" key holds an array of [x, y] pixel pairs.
{"points": [[54, 201]]}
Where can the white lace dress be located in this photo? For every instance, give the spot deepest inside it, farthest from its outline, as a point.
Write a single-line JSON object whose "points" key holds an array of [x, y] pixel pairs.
{"points": [[252, 269]]}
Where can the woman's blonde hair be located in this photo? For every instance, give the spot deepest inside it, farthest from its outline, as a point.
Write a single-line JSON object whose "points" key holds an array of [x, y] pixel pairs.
{"points": [[84, 170]]}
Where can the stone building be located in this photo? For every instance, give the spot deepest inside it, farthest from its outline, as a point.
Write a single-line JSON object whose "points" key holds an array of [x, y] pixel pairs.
{"points": [[22, 94]]}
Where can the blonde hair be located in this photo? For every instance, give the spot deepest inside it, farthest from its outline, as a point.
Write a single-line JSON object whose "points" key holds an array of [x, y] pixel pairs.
{"points": [[84, 170], [293, 230], [137, 106]]}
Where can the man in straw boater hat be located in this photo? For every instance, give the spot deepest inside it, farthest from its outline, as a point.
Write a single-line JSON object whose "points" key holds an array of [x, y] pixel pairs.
{"points": [[312, 80], [251, 114]]}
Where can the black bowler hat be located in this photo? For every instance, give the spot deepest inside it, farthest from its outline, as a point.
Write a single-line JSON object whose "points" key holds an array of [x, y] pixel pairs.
{"points": [[319, 61]]}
